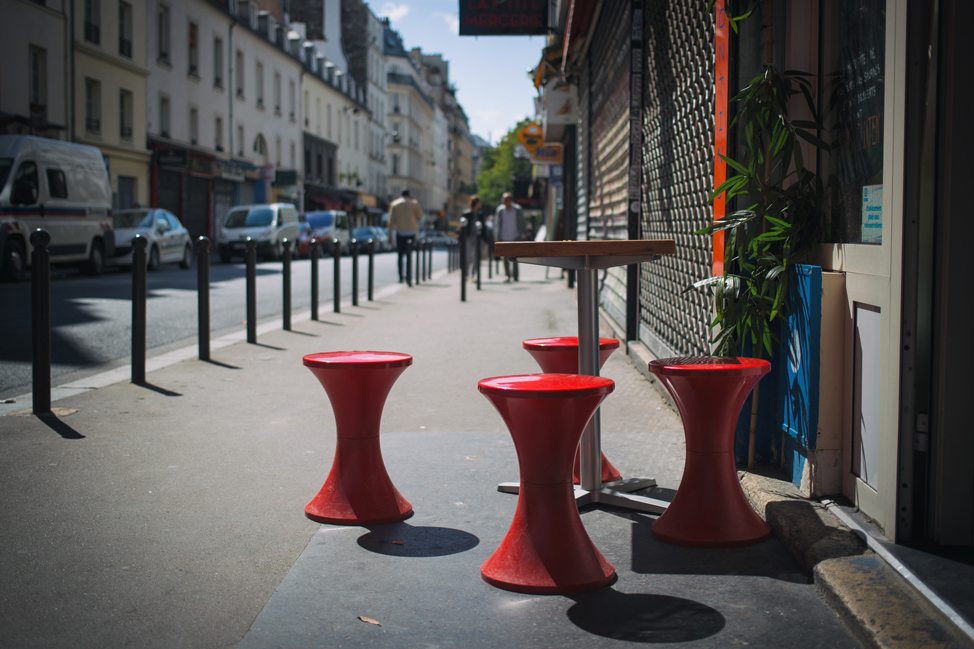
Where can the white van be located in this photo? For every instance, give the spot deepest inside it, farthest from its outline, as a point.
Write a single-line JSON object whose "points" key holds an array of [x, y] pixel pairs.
{"points": [[330, 227], [266, 224], [61, 187]]}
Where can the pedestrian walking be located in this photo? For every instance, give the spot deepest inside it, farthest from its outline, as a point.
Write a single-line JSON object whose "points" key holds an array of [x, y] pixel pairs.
{"points": [[474, 225], [405, 215], [509, 225]]}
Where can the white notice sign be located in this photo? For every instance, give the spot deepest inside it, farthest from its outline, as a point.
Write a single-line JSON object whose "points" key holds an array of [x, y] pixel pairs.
{"points": [[872, 214]]}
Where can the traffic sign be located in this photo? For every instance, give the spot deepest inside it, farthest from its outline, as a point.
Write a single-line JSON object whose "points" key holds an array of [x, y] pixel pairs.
{"points": [[531, 136]]}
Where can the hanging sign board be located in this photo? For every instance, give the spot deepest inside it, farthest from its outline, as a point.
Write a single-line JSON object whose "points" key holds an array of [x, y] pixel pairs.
{"points": [[548, 154], [531, 136], [503, 17]]}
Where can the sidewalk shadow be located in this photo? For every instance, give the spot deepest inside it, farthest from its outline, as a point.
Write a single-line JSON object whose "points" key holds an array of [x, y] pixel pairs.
{"points": [[156, 388], [404, 540], [304, 333], [643, 617], [280, 349], [219, 364], [51, 421], [767, 559]]}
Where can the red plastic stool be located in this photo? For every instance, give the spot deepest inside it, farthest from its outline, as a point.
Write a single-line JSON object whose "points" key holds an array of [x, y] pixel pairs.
{"points": [[546, 549], [560, 356], [710, 509], [358, 490]]}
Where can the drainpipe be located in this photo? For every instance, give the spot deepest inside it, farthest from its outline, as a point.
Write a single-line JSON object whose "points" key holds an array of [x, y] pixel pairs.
{"points": [[231, 81], [71, 84], [301, 119]]}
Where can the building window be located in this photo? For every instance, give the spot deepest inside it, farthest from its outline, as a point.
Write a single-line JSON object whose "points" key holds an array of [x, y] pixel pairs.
{"points": [[194, 125], [92, 106], [294, 158], [126, 193], [260, 84], [92, 22], [218, 127], [277, 152], [125, 29], [125, 114], [194, 50], [37, 60], [395, 164], [307, 107], [318, 115], [277, 93], [291, 99], [164, 116], [240, 74], [162, 27], [218, 62], [240, 140], [328, 120]]}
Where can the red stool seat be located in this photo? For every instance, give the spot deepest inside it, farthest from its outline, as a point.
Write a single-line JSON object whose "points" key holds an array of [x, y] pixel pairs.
{"points": [[710, 508], [559, 355], [546, 549], [358, 490]]}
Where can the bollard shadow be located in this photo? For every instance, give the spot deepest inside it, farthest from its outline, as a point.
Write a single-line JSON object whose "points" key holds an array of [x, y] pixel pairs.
{"points": [[51, 421], [328, 322], [643, 617], [401, 539], [219, 364], [280, 349], [303, 333], [156, 388], [652, 556]]}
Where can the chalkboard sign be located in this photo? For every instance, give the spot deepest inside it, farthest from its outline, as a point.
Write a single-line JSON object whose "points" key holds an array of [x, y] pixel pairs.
{"points": [[853, 92]]}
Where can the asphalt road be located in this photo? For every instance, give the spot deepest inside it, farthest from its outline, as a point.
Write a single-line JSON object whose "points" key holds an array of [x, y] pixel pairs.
{"points": [[91, 316]]}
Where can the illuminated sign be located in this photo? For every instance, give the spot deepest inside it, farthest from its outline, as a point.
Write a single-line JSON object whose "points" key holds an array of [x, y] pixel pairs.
{"points": [[548, 154], [503, 17]]}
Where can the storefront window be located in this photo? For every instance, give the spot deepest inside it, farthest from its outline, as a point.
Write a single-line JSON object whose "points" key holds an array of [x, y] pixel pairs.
{"points": [[853, 87]]}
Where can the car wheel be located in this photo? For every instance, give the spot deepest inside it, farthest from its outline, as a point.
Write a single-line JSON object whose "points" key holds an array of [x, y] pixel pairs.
{"points": [[14, 262], [96, 259], [153, 263], [187, 257], [225, 257]]}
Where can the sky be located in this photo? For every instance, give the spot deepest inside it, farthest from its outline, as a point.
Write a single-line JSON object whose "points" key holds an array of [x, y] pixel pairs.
{"points": [[489, 72]]}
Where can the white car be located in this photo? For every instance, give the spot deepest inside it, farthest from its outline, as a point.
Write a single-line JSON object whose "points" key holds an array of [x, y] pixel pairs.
{"points": [[169, 241]]}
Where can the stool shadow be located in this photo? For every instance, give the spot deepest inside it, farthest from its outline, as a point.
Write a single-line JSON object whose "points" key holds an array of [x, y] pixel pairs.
{"points": [[651, 556], [643, 617], [404, 540]]}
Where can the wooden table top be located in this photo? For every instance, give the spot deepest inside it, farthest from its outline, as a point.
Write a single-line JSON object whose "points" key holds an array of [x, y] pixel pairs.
{"points": [[586, 254]]}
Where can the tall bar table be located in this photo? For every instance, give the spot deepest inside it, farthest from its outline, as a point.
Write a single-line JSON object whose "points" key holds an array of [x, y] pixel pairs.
{"points": [[587, 258]]}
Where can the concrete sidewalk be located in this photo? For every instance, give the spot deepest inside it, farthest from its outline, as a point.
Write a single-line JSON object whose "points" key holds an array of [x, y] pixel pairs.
{"points": [[171, 514]]}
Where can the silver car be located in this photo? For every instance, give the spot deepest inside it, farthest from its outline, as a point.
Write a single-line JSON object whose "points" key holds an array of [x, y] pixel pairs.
{"points": [[169, 241]]}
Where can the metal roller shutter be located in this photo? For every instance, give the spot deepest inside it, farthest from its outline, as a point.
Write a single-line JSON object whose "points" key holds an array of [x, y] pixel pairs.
{"points": [[169, 182], [678, 160], [197, 216], [581, 159]]}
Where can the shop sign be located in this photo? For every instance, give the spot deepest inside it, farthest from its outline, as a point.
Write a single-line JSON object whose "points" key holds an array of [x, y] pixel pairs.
{"points": [[230, 171], [286, 177], [368, 200], [531, 137], [503, 17], [267, 172], [559, 106], [549, 154], [199, 166], [171, 158]]}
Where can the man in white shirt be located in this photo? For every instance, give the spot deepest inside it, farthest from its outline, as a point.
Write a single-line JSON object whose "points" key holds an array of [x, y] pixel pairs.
{"points": [[509, 225], [405, 215]]}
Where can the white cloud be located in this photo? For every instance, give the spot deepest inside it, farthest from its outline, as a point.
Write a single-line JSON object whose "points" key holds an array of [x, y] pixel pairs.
{"points": [[452, 21], [393, 12]]}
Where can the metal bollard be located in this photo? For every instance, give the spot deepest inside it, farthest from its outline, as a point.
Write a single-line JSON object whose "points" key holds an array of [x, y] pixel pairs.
{"points": [[353, 248], [490, 257], [203, 295], [417, 246], [477, 255], [429, 266], [409, 263], [336, 253], [286, 276], [315, 250], [251, 258], [139, 290], [371, 268], [463, 263], [40, 279]]}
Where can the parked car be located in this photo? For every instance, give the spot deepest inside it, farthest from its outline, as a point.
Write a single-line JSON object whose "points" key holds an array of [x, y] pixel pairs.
{"points": [[329, 227], [61, 187], [304, 240], [267, 224], [382, 243], [169, 240]]}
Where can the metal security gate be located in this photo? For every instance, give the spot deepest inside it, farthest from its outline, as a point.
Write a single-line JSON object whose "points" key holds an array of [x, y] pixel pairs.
{"points": [[197, 215], [169, 191], [222, 202], [678, 162], [581, 159], [608, 215]]}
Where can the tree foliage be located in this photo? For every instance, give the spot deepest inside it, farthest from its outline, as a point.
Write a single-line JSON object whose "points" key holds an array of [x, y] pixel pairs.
{"points": [[500, 166]]}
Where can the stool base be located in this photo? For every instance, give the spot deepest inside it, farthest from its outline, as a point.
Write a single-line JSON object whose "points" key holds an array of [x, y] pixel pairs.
{"points": [[710, 509], [358, 490], [546, 550]]}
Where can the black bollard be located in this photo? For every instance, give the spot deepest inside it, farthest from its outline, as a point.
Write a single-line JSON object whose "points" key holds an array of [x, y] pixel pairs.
{"points": [[571, 279], [336, 253], [429, 262], [463, 263], [40, 279], [139, 290], [371, 268], [315, 250], [409, 263], [203, 295], [286, 276], [353, 247], [417, 246], [490, 256], [477, 254], [251, 258]]}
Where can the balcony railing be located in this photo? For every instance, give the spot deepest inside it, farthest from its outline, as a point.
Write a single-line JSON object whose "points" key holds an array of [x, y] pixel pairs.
{"points": [[125, 47], [92, 33], [92, 124]]}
